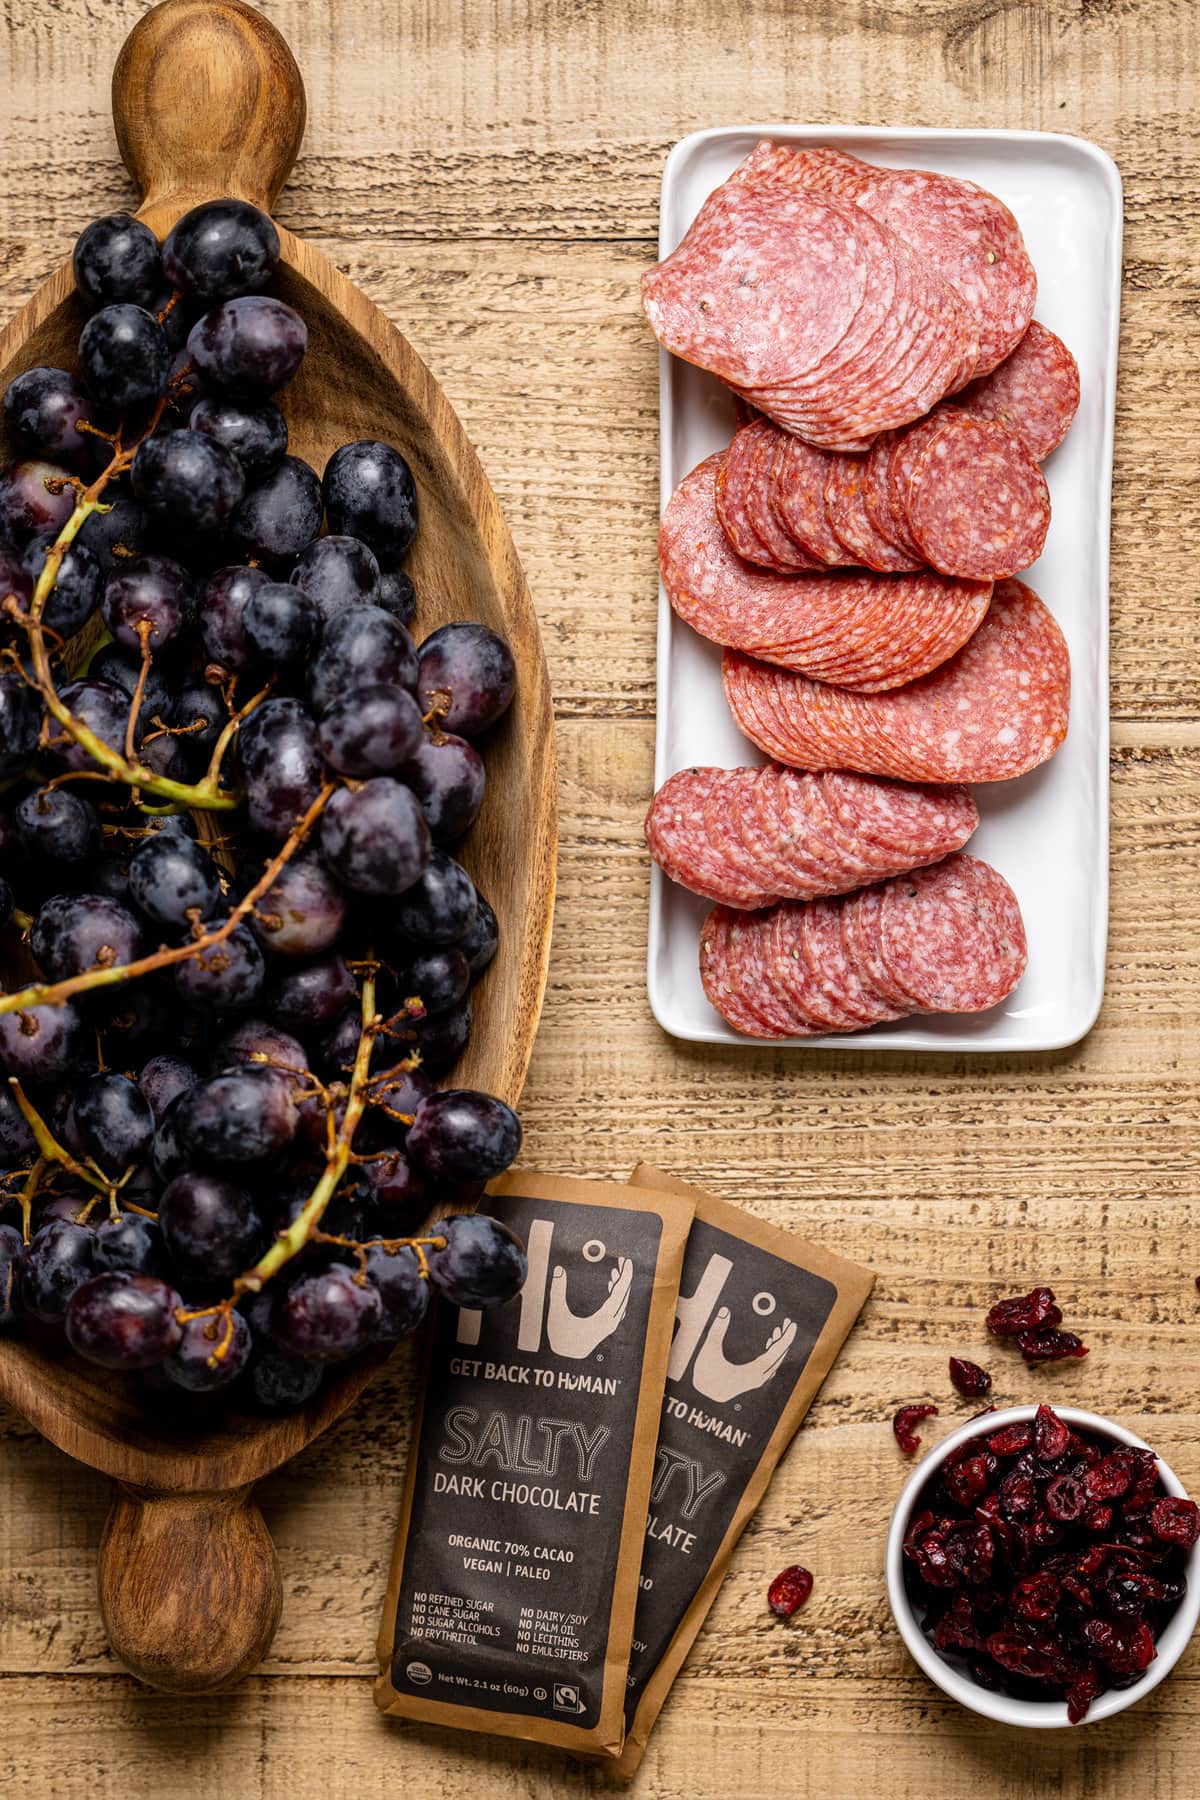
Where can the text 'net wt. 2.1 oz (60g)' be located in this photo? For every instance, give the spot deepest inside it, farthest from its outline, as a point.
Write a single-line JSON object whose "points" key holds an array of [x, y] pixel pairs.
{"points": [[760, 1318]]}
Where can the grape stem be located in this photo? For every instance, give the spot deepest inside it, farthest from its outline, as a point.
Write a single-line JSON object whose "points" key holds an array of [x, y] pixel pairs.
{"points": [[53, 993], [206, 795]]}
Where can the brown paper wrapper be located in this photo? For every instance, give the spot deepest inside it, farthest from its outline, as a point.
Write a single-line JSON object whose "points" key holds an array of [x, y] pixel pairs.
{"points": [[510, 1604]]}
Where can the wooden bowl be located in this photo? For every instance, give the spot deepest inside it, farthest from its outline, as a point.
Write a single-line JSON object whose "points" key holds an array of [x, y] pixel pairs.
{"points": [[208, 101]]}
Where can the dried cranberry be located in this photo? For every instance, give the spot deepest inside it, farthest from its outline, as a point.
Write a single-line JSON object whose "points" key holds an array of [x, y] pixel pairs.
{"points": [[1011, 1441], [967, 1480], [972, 1552], [1098, 1518], [1079, 1592], [1067, 1499], [1176, 1521], [969, 1378], [1052, 1438], [1108, 1479], [1048, 1345], [1020, 1657], [1018, 1495], [1036, 1598], [904, 1420], [789, 1590], [1125, 1649], [956, 1629], [1080, 1694], [1026, 1312]]}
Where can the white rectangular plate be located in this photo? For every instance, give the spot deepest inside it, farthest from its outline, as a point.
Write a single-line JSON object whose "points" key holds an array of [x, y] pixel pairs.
{"points": [[1047, 833]]}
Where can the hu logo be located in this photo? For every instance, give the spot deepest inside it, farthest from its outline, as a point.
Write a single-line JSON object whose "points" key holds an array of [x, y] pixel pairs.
{"points": [[713, 1375], [570, 1334]]}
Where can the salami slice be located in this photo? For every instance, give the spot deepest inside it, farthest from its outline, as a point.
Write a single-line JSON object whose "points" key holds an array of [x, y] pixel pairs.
{"points": [[978, 505], [787, 557], [1035, 392], [952, 937], [730, 494], [800, 499], [846, 510], [948, 938], [994, 711]]}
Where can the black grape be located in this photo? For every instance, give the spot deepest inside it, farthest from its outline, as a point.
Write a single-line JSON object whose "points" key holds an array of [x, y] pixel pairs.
{"points": [[474, 667], [310, 997], [249, 346], [396, 595], [210, 1225], [370, 494], [78, 586], [281, 514], [327, 1316], [125, 357], [376, 838], [280, 623], [18, 1146], [447, 776], [301, 913], [281, 765], [281, 1383], [225, 598], [42, 410], [440, 907], [163, 1079], [193, 1364], [103, 708], [198, 705], [171, 878], [221, 249], [36, 499], [439, 978], [188, 481], [337, 572], [227, 977], [440, 1038], [117, 258], [371, 731], [245, 1116], [479, 944], [114, 1121], [74, 932], [59, 825], [20, 721], [256, 434], [253, 1039], [41, 1043], [151, 592], [124, 1321], [120, 532], [361, 647], [59, 1258], [461, 1135], [483, 1263], [132, 1243], [403, 1292]]}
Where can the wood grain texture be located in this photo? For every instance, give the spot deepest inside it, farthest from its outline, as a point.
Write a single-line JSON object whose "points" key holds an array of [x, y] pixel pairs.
{"points": [[489, 175]]}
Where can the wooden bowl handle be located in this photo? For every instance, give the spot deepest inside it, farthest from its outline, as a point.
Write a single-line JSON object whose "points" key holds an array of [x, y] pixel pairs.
{"points": [[189, 1587], [207, 101]]}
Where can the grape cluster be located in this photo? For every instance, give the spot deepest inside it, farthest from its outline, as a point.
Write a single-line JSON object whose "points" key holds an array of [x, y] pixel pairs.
{"points": [[227, 840]]}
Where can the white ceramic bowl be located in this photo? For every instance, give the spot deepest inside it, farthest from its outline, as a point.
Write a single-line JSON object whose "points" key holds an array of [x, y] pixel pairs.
{"points": [[1040, 1714]]}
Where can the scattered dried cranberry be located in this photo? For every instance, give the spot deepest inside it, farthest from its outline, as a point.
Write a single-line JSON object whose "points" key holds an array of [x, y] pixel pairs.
{"points": [[969, 1378], [789, 1590], [1047, 1561], [1026, 1312], [904, 1420], [1049, 1345], [1176, 1522]]}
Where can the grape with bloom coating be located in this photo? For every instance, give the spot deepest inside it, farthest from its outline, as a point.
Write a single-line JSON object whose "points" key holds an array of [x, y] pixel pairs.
{"points": [[36, 498], [224, 977], [309, 998], [59, 1258], [59, 825], [130, 1243], [371, 731], [12, 1252], [210, 1225], [337, 572], [376, 838], [245, 1116], [41, 1043], [327, 1316], [188, 481], [74, 932], [447, 776], [124, 1321], [220, 249], [249, 346], [42, 410], [117, 258], [280, 623], [440, 907], [467, 673], [370, 494], [151, 593], [125, 357], [194, 1363], [481, 1264], [302, 913], [114, 1121], [280, 515], [221, 614], [403, 1292], [163, 1079], [481, 941], [281, 1383], [103, 708], [172, 879], [78, 586], [459, 1134], [362, 646], [20, 720], [281, 765], [256, 434]]}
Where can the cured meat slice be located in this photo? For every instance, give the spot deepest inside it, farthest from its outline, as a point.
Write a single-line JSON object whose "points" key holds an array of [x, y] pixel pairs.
{"points": [[994, 711], [1035, 392], [863, 630], [846, 510], [765, 286], [821, 168], [800, 500], [948, 938], [972, 238], [952, 937], [787, 556], [730, 493], [748, 837], [978, 505]]}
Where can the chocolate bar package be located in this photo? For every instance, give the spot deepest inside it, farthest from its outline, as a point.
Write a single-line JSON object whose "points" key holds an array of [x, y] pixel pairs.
{"points": [[510, 1604], [761, 1318]]}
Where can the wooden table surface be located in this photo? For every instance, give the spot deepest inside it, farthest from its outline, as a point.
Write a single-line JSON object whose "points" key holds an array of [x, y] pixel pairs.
{"points": [[489, 174]]}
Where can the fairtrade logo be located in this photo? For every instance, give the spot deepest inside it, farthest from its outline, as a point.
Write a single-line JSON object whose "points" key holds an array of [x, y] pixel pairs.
{"points": [[713, 1375], [569, 1333]]}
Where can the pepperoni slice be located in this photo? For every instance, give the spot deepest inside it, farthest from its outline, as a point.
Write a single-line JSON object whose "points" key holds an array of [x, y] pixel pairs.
{"points": [[978, 505], [1035, 392]]}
